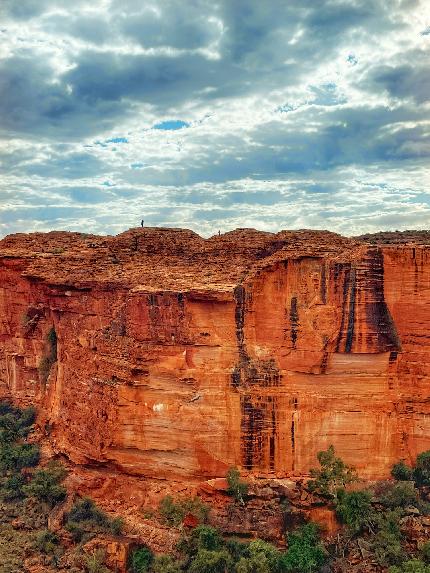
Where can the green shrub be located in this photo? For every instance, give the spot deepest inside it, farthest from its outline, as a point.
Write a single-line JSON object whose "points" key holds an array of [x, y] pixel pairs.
{"points": [[76, 531], [305, 553], [50, 357], [173, 512], [401, 472], [261, 557], [47, 541], [14, 422], [15, 457], [95, 562], [46, 484], [354, 508], [12, 487], [236, 487], [237, 548], [86, 519], [165, 564], [387, 548], [170, 512], [140, 560], [207, 561], [386, 543], [400, 494], [51, 338], [411, 566], [201, 537], [421, 471], [116, 525], [425, 552], [333, 474], [86, 510]]}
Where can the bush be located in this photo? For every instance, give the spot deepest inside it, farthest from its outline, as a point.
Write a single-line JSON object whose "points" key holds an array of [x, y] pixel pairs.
{"points": [[14, 422], [236, 487], [237, 549], [47, 541], [421, 471], [305, 554], [354, 508], [425, 552], [76, 531], [201, 537], [262, 557], [401, 472], [46, 484], [173, 511], [387, 548], [332, 475], [116, 525], [12, 487], [95, 562], [411, 566], [50, 357], [140, 560], [400, 494], [15, 457], [86, 519], [165, 564], [207, 561], [386, 544], [86, 510]]}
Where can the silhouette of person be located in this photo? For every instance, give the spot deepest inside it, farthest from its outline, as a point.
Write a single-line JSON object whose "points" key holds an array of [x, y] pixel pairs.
{"points": [[141, 223]]}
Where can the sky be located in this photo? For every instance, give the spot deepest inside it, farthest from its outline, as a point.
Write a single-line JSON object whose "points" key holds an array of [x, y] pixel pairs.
{"points": [[214, 115]]}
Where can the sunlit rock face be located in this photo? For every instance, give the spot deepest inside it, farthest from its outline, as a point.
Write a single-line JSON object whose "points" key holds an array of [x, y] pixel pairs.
{"points": [[178, 357]]}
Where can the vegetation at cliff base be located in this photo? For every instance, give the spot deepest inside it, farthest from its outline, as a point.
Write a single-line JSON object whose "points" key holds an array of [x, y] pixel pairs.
{"points": [[29, 493], [381, 525]]}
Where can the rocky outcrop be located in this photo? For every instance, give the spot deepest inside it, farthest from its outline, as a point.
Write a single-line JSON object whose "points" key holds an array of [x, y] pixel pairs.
{"points": [[162, 354]]}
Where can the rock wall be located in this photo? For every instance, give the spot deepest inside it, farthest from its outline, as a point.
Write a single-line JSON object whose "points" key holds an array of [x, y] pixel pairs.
{"points": [[178, 357]]}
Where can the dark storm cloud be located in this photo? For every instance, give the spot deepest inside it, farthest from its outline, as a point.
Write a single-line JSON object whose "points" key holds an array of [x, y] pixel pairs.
{"points": [[31, 103], [407, 80]]}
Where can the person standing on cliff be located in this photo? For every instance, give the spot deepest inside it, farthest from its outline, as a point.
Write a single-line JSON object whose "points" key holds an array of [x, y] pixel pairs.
{"points": [[141, 223]]}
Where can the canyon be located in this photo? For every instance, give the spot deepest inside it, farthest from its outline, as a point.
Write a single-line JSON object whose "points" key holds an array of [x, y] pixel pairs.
{"points": [[157, 353]]}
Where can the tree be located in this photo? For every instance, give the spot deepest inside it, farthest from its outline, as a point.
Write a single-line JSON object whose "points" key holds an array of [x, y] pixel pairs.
{"points": [[305, 553], [332, 475], [207, 561], [354, 508], [236, 487], [401, 472], [262, 557], [141, 560], [421, 472]]}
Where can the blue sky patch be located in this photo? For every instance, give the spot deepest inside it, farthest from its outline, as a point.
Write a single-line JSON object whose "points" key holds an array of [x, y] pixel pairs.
{"points": [[117, 140], [171, 125]]}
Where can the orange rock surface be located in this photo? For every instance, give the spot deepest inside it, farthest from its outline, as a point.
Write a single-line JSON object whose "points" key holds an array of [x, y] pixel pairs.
{"points": [[179, 356]]}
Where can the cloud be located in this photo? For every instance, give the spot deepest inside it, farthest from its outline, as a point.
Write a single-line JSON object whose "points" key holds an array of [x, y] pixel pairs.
{"points": [[214, 114]]}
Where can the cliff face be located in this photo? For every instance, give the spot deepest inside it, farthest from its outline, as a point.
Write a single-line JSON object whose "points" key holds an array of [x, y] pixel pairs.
{"points": [[178, 357]]}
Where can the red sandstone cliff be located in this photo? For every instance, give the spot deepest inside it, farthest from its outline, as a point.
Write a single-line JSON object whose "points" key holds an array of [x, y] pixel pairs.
{"points": [[179, 356]]}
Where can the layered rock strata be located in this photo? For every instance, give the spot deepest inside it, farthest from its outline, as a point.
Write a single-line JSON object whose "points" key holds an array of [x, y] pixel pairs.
{"points": [[163, 354]]}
